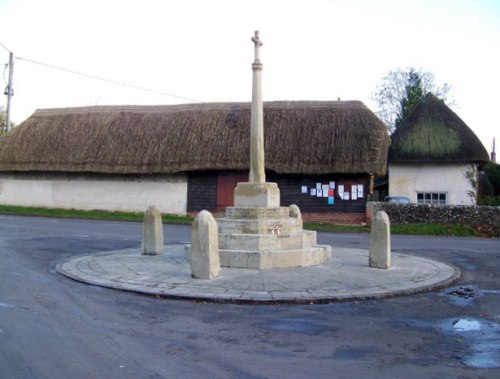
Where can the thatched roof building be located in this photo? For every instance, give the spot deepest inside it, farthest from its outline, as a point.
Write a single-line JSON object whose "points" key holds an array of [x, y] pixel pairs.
{"points": [[300, 138], [433, 133]]}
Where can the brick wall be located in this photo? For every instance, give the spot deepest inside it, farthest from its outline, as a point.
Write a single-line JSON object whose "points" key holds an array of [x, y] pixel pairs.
{"points": [[334, 217]]}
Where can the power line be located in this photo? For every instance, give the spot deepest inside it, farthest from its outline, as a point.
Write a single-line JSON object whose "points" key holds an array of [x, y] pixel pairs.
{"points": [[105, 79], [8, 50]]}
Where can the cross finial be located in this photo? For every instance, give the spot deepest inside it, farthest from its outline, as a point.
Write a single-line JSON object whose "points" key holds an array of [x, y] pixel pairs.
{"points": [[258, 43]]}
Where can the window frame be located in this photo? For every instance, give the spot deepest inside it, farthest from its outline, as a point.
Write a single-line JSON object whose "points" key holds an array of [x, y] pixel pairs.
{"points": [[432, 197]]}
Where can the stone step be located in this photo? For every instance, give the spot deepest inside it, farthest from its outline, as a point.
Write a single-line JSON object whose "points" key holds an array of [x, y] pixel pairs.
{"points": [[267, 242], [254, 213], [259, 226], [311, 256]]}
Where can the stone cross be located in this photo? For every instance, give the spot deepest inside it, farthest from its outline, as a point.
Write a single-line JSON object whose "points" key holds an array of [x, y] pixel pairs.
{"points": [[258, 43], [257, 166]]}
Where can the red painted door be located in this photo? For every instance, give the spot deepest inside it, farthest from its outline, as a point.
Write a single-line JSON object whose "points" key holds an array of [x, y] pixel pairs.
{"points": [[226, 182]]}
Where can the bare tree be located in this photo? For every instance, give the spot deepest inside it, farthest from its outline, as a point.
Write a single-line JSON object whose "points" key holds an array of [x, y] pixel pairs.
{"points": [[401, 90]]}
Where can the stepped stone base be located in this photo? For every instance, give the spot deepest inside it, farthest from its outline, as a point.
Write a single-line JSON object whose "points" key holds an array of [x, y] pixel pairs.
{"points": [[311, 256], [257, 233]]}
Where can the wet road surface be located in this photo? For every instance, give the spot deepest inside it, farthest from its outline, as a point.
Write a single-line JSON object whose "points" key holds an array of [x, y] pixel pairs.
{"points": [[53, 327]]}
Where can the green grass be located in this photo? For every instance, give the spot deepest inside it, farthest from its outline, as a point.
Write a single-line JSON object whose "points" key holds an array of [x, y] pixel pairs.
{"points": [[97, 215], [433, 230], [409, 229]]}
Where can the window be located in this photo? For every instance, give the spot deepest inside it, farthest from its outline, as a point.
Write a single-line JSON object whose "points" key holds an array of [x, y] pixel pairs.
{"points": [[436, 198]]}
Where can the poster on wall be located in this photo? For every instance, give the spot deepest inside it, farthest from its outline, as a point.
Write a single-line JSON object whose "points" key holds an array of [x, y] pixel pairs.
{"points": [[354, 192], [318, 186], [303, 189], [331, 200], [331, 193], [332, 185], [341, 190], [360, 191], [313, 191], [346, 195], [319, 193]]}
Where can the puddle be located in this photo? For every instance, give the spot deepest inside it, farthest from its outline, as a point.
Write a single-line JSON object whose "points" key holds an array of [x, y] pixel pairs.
{"points": [[480, 338], [466, 325], [492, 292], [302, 325]]}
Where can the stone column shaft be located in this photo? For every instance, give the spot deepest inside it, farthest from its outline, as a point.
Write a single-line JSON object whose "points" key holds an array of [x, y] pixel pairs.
{"points": [[257, 166]]}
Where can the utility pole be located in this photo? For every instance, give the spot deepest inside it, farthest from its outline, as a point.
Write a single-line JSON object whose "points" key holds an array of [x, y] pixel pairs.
{"points": [[9, 91]]}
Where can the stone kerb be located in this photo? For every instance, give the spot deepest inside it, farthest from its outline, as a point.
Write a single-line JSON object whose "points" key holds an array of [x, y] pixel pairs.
{"points": [[380, 241], [205, 261], [152, 233]]}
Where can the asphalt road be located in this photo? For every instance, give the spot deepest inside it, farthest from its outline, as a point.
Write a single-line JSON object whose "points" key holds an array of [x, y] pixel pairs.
{"points": [[53, 327]]}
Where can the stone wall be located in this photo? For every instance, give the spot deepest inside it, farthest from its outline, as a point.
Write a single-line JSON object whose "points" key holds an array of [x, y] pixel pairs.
{"points": [[485, 219]]}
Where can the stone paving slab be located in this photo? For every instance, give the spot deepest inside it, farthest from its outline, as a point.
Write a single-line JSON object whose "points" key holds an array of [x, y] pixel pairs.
{"points": [[346, 276]]}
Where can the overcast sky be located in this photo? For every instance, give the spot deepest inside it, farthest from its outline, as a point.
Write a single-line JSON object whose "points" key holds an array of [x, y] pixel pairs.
{"points": [[200, 50]]}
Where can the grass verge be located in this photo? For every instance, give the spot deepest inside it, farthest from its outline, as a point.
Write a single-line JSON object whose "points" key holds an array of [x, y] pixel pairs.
{"points": [[433, 230], [409, 229], [94, 215]]}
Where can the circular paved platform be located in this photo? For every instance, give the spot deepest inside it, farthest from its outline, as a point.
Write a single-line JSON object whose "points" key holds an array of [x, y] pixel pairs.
{"points": [[345, 277]]}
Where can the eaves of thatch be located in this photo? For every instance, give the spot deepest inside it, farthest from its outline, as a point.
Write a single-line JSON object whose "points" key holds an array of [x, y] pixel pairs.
{"points": [[433, 133], [300, 138]]}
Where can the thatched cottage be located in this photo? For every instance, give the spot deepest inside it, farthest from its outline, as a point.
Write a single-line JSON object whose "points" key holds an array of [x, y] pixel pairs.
{"points": [[434, 155], [184, 158]]}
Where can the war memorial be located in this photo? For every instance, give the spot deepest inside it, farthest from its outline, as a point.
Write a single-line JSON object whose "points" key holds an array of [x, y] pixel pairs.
{"points": [[258, 252]]}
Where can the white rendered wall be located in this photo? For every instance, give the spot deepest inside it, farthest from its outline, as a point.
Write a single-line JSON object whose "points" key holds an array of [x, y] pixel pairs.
{"points": [[168, 194], [407, 180]]}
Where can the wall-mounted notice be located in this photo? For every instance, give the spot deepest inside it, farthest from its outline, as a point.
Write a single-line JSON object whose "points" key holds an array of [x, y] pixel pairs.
{"points": [[319, 193], [332, 185], [346, 195], [331, 192], [318, 186], [360, 191], [331, 200], [313, 191], [303, 189], [354, 192], [325, 188], [341, 189]]}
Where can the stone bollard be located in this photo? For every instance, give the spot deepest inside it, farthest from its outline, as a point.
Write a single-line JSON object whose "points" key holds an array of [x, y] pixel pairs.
{"points": [[294, 212], [205, 261], [152, 233], [380, 241]]}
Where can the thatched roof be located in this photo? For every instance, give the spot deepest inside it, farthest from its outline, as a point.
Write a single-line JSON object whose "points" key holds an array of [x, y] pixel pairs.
{"points": [[433, 133], [300, 137]]}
